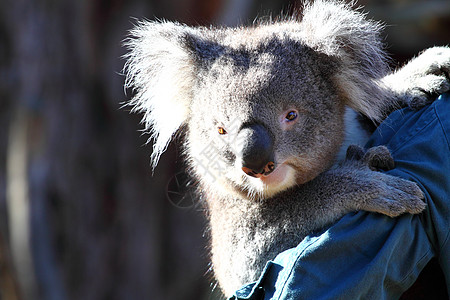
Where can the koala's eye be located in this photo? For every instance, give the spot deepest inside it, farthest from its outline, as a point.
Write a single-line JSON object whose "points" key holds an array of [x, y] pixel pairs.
{"points": [[291, 116], [221, 130]]}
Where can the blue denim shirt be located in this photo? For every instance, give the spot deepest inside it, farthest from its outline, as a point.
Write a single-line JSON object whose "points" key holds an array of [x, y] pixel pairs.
{"points": [[367, 255]]}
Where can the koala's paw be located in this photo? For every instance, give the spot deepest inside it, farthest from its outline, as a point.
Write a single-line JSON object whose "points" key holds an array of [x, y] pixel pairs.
{"points": [[396, 196], [376, 158], [377, 191], [354, 152], [427, 76], [379, 158]]}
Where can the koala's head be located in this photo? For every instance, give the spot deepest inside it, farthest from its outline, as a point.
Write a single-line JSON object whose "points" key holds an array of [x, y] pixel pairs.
{"points": [[261, 107]]}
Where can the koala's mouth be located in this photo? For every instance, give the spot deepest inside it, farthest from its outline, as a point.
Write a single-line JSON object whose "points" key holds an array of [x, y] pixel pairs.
{"points": [[281, 178], [266, 185], [276, 176]]}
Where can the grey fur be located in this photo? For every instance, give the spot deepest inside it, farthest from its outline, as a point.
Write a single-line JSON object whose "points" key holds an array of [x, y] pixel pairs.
{"points": [[195, 80]]}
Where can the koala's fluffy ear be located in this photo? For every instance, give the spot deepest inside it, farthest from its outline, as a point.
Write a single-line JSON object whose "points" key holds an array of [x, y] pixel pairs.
{"points": [[337, 30], [160, 71]]}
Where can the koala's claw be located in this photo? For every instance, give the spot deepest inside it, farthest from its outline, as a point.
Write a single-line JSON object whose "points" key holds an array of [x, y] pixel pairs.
{"points": [[383, 193], [354, 152], [427, 77], [408, 199], [394, 208], [379, 158], [422, 96], [376, 158], [401, 196]]}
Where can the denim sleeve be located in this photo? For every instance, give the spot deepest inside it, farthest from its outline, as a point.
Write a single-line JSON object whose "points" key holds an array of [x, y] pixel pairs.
{"points": [[368, 255]]}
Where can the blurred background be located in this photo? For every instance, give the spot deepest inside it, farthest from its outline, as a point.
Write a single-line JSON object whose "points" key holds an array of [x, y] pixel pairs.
{"points": [[81, 215]]}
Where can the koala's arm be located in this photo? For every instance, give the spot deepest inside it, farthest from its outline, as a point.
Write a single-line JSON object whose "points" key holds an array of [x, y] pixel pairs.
{"points": [[355, 185], [422, 79]]}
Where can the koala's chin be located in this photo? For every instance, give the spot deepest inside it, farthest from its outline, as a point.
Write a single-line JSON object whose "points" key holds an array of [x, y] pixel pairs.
{"points": [[281, 179]]}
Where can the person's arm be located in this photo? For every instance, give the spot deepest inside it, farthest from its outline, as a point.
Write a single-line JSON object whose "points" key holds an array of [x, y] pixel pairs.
{"points": [[371, 256]]}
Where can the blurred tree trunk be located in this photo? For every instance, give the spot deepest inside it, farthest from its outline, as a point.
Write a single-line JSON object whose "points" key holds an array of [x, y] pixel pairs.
{"points": [[81, 215]]}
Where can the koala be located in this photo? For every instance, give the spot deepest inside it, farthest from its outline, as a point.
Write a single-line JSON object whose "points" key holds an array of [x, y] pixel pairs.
{"points": [[265, 115]]}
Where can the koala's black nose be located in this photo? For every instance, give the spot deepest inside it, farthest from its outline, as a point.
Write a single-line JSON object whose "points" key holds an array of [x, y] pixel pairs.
{"points": [[256, 150]]}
